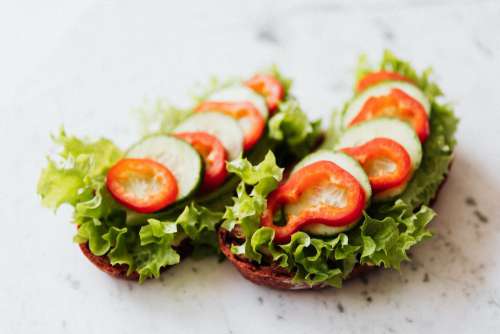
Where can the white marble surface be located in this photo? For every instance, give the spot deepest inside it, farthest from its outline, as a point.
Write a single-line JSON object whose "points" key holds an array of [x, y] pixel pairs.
{"points": [[86, 65]]}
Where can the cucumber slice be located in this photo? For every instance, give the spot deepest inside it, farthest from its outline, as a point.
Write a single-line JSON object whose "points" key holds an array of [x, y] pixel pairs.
{"points": [[241, 93], [175, 154], [391, 128], [390, 194], [342, 160], [382, 89], [325, 230], [224, 127]]}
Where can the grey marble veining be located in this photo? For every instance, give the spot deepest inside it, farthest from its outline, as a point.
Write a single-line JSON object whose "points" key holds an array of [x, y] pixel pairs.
{"points": [[114, 54]]}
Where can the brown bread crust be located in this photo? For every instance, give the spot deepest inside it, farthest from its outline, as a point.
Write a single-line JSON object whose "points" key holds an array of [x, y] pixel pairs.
{"points": [[275, 277], [120, 270], [272, 275]]}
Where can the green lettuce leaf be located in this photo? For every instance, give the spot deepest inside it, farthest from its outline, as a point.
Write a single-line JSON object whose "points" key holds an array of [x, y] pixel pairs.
{"points": [[386, 240], [199, 224], [202, 92], [248, 208], [76, 173], [159, 116], [266, 171], [291, 126]]}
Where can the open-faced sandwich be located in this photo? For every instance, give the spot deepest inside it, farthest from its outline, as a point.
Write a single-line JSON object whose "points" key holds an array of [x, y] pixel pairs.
{"points": [[360, 202], [140, 210]]}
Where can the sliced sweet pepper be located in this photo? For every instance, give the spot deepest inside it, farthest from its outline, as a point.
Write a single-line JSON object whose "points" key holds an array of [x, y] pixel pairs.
{"points": [[269, 87], [396, 104], [346, 208], [142, 185], [374, 78], [385, 161], [249, 118], [214, 157]]}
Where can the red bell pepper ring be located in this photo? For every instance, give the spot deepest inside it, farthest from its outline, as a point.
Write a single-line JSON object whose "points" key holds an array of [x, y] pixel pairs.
{"points": [[142, 185], [374, 78], [316, 175], [249, 118], [396, 104], [214, 156], [269, 87], [385, 161]]}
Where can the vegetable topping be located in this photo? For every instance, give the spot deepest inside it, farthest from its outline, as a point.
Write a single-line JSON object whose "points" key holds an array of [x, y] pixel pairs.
{"points": [[374, 78], [396, 104], [142, 185], [250, 120], [319, 193], [276, 228], [269, 87], [223, 127], [175, 154], [214, 156], [385, 161]]}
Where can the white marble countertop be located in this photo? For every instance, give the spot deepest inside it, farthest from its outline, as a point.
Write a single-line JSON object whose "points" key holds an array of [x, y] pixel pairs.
{"points": [[87, 65]]}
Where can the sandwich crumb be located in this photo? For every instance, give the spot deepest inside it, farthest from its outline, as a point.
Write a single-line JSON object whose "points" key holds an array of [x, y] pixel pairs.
{"points": [[268, 35], [470, 201], [493, 302], [279, 317], [364, 279], [75, 284], [426, 278], [409, 320], [261, 300], [369, 299], [194, 269], [481, 216], [340, 307]]}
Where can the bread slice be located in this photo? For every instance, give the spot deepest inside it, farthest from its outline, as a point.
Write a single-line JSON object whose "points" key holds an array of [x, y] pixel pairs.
{"points": [[274, 276], [120, 270]]}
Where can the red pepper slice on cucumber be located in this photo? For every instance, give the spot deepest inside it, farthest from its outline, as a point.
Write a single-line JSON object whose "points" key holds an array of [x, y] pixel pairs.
{"points": [[374, 78], [249, 118], [269, 87], [322, 192], [142, 185], [214, 156], [396, 104], [384, 160]]}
